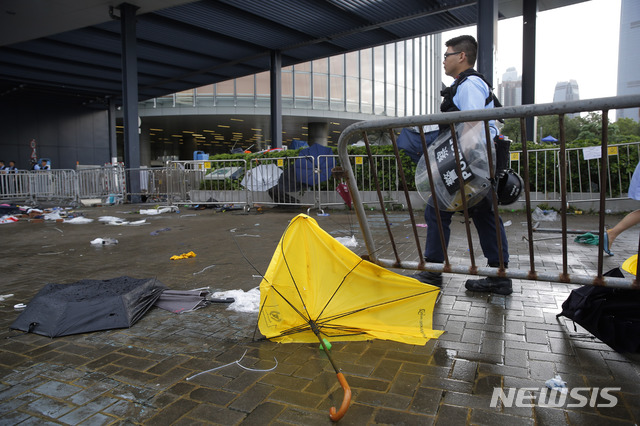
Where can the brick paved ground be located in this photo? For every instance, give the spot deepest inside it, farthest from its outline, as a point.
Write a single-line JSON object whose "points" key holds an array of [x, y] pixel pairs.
{"points": [[138, 375]]}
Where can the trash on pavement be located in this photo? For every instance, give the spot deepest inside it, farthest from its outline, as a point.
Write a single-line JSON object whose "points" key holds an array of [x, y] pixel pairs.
{"points": [[183, 256], [104, 241]]}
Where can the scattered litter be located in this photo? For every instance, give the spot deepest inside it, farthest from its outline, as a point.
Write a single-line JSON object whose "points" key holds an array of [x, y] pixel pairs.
{"points": [[158, 231], [348, 241], [257, 276], [158, 210], [183, 256], [50, 253], [4, 297], [557, 384], [59, 230], [52, 216], [112, 220], [79, 220], [247, 235], [19, 307], [244, 301], [587, 238], [208, 267], [188, 215], [104, 242], [239, 365], [181, 301], [233, 230], [540, 215], [323, 214], [8, 219], [507, 223]]}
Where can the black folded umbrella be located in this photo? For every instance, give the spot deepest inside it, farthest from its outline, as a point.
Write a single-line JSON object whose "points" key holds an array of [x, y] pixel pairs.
{"points": [[88, 305]]}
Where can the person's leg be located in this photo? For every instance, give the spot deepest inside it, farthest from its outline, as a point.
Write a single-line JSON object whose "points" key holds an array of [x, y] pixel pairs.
{"points": [[485, 224], [484, 221], [433, 248], [433, 252], [627, 222]]}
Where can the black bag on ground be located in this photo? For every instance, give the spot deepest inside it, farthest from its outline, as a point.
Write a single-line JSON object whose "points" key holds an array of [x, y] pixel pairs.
{"points": [[610, 314]]}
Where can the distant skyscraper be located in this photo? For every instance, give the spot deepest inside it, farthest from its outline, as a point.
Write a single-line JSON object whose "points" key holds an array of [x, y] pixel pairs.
{"points": [[510, 88], [566, 91], [628, 62]]}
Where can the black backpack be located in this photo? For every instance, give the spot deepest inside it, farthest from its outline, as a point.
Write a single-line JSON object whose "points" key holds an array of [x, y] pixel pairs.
{"points": [[610, 314]]}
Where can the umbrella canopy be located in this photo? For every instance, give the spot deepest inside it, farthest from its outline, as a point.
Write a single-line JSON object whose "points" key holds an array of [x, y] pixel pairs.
{"points": [[88, 305], [262, 177], [315, 281], [315, 161], [549, 139]]}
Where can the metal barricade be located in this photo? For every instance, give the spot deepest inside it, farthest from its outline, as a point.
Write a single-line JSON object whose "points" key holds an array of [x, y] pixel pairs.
{"points": [[106, 183], [14, 186], [284, 181], [153, 185], [522, 113], [383, 167], [583, 173], [208, 182], [54, 185]]}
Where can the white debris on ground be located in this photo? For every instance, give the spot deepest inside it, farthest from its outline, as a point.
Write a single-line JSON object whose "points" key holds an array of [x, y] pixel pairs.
{"points": [[248, 301]]}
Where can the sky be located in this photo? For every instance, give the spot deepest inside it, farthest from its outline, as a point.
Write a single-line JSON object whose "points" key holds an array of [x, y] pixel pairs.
{"points": [[578, 42]]}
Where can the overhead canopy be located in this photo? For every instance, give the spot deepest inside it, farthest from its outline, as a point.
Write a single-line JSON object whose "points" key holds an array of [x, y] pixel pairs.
{"points": [[181, 44]]}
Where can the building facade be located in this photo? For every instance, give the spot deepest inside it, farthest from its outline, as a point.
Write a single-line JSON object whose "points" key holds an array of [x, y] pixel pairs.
{"points": [[394, 80], [629, 63]]}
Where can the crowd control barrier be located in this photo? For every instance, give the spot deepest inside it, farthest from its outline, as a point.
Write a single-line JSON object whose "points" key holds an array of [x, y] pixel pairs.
{"points": [[600, 171]]}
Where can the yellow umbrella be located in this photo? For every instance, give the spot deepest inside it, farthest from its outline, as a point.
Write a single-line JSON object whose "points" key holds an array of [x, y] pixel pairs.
{"points": [[316, 288], [631, 264]]}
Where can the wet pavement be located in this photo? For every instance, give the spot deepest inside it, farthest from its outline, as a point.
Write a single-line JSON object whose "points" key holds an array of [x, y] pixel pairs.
{"points": [[139, 375]]}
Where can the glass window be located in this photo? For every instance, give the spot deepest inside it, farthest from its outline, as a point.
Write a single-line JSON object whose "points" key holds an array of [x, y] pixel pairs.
{"points": [[263, 84], [305, 66], [353, 64], [245, 86], [185, 97], [302, 85], [320, 66], [366, 93], [336, 65], [365, 64], [353, 94], [320, 86], [337, 88], [226, 88], [287, 82]]}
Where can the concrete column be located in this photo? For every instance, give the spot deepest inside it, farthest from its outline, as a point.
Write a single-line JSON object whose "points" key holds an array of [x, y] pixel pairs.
{"points": [[318, 133], [275, 74], [487, 37], [130, 96], [529, 16]]}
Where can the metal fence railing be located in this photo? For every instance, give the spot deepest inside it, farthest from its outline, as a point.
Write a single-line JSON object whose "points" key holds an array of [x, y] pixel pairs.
{"points": [[557, 169]]}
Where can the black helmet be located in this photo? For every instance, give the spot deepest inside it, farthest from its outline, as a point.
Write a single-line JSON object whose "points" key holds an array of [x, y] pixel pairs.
{"points": [[510, 186]]}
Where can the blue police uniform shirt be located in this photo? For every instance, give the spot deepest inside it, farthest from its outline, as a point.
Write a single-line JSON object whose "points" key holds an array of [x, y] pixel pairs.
{"points": [[472, 94]]}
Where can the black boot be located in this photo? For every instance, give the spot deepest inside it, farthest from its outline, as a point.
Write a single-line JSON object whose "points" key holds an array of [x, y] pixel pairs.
{"points": [[496, 285], [428, 277]]}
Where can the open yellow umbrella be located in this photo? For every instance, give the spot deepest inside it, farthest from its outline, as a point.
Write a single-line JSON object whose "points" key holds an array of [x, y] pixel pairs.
{"points": [[316, 288], [631, 264]]}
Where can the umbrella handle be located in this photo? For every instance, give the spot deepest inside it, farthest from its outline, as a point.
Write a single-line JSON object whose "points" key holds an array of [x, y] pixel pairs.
{"points": [[335, 416]]}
